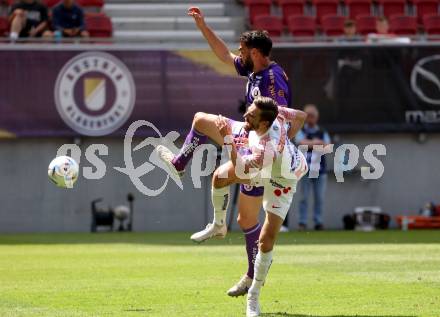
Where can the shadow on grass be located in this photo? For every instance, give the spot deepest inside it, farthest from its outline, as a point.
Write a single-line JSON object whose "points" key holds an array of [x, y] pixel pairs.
{"points": [[297, 315], [233, 238]]}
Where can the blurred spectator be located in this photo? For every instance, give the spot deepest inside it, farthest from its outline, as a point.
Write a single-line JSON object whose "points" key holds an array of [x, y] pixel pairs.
{"points": [[350, 30], [68, 19], [382, 26], [28, 18], [384, 35], [310, 135]]}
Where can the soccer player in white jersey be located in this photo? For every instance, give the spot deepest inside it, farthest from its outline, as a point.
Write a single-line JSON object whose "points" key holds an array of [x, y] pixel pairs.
{"points": [[275, 163], [264, 78]]}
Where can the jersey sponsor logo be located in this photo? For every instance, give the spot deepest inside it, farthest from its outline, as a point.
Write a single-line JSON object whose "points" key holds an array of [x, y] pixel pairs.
{"points": [[425, 81], [94, 93]]}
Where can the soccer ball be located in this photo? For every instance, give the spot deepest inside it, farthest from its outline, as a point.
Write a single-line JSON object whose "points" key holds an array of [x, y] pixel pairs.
{"points": [[63, 171]]}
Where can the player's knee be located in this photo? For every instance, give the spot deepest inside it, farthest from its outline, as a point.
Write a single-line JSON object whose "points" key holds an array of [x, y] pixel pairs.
{"points": [[198, 118], [245, 221]]}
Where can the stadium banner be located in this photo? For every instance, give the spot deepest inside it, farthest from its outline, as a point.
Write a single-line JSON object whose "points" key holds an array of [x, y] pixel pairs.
{"points": [[102, 91], [380, 88]]}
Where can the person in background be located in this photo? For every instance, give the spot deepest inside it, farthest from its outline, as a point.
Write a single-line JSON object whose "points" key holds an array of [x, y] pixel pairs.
{"points": [[28, 18], [310, 135], [382, 26], [350, 31], [68, 19]]}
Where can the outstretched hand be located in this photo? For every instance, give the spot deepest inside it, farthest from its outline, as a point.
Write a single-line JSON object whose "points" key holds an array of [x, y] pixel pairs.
{"points": [[197, 14], [223, 126]]}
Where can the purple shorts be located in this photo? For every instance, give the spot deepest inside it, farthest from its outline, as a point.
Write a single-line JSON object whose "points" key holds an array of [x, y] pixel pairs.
{"points": [[239, 135]]}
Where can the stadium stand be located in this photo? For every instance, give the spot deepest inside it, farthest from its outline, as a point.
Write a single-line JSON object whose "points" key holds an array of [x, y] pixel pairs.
{"points": [[358, 7], [301, 26], [325, 7], [392, 7], [365, 24], [270, 23], [257, 7], [431, 23], [403, 25], [333, 25], [4, 26], [167, 21], [99, 25], [291, 8], [424, 7]]}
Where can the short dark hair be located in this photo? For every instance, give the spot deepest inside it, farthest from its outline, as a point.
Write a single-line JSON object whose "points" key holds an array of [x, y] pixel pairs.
{"points": [[257, 39], [349, 23], [268, 108]]}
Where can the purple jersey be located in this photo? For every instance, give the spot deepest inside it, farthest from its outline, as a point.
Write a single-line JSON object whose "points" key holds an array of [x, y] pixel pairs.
{"points": [[271, 82]]}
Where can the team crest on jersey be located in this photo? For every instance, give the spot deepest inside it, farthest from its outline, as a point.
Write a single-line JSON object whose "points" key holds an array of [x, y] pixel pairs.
{"points": [[94, 93], [255, 92]]}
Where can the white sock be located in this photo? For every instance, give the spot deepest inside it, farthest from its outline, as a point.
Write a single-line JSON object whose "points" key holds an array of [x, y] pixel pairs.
{"points": [[220, 201], [261, 268], [13, 35]]}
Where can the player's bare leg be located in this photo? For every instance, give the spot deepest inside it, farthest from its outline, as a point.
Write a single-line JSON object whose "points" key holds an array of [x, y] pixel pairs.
{"points": [[202, 128], [269, 232], [248, 211], [223, 177]]}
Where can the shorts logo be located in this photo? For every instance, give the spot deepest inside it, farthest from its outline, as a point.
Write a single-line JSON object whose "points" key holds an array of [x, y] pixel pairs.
{"points": [[248, 188], [94, 93]]}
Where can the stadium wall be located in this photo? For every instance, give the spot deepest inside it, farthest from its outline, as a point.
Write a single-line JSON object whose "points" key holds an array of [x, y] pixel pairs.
{"points": [[30, 203]]}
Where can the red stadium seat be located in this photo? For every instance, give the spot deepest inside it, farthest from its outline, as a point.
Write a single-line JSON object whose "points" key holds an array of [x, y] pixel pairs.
{"points": [[91, 3], [392, 7], [325, 7], [51, 3], [333, 25], [300, 25], [431, 24], [358, 7], [4, 26], [270, 23], [424, 7], [99, 25], [366, 24], [403, 25], [257, 7], [291, 7]]}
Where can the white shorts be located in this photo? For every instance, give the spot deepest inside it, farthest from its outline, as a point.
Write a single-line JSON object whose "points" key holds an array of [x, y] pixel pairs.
{"points": [[278, 193]]}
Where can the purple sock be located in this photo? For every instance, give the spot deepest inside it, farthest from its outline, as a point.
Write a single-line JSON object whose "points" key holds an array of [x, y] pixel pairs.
{"points": [[252, 235], [192, 141]]}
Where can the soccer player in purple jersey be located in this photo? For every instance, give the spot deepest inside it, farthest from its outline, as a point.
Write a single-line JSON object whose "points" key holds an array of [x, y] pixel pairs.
{"points": [[265, 78]]}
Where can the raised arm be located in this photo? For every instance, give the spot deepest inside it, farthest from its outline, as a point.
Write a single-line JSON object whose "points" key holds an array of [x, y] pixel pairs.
{"points": [[295, 117], [217, 45]]}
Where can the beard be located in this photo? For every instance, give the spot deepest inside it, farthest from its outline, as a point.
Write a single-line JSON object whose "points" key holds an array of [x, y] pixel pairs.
{"points": [[248, 64], [249, 127]]}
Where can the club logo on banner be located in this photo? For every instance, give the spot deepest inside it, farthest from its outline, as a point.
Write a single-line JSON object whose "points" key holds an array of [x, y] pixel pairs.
{"points": [[94, 93], [425, 81]]}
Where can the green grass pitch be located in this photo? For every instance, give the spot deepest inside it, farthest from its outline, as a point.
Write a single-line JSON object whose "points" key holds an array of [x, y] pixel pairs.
{"points": [[333, 274]]}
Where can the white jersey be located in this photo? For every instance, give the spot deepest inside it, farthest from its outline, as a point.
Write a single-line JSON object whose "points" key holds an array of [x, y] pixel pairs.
{"points": [[273, 152], [280, 164]]}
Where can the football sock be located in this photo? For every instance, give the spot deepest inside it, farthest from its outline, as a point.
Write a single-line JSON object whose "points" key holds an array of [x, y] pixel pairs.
{"points": [[262, 265], [13, 36], [252, 235], [192, 141], [220, 201]]}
